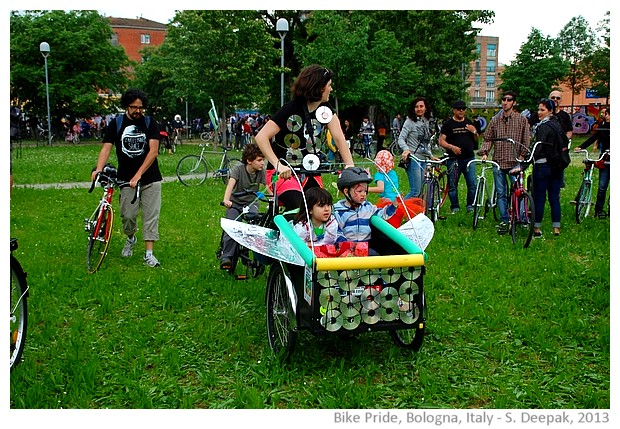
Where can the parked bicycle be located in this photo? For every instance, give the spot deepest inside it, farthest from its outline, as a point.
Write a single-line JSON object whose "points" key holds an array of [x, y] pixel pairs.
{"points": [[164, 143], [434, 186], [99, 225], [254, 264], [193, 170], [483, 200], [584, 196], [19, 307]]}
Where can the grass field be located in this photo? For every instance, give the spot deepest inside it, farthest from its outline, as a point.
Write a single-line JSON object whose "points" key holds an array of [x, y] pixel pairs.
{"points": [[508, 327]]}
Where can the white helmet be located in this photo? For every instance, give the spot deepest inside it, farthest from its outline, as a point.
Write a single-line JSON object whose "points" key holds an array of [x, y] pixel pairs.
{"points": [[177, 117]]}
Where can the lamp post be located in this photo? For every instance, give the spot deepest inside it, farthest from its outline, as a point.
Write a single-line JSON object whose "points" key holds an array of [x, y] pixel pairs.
{"points": [[282, 29], [44, 47]]}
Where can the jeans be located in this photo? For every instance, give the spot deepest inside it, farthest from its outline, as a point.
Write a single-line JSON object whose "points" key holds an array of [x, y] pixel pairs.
{"points": [[603, 184], [453, 182], [501, 191], [546, 182], [415, 174]]}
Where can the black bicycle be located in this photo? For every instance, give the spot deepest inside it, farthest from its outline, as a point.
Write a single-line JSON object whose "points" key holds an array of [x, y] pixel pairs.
{"points": [[19, 307]]}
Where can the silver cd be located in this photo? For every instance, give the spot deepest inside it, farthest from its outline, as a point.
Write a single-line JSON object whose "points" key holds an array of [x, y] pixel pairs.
{"points": [[411, 273], [324, 279], [293, 156], [389, 311], [311, 162], [349, 305], [390, 275], [324, 114], [369, 298], [294, 123], [388, 294], [329, 298], [409, 314], [408, 290], [292, 141], [370, 316], [348, 279], [332, 321], [351, 322], [369, 277]]}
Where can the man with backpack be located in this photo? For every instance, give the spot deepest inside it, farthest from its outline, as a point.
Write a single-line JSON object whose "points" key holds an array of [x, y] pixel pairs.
{"points": [[136, 140]]}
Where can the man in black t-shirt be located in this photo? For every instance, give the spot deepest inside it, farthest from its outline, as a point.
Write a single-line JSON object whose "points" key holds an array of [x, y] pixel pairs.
{"points": [[136, 141], [459, 136]]}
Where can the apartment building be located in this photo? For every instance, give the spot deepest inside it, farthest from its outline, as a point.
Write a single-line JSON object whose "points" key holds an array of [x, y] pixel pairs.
{"points": [[136, 34]]}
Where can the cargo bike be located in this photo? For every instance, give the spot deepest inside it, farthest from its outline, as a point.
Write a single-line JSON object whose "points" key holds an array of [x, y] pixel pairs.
{"points": [[344, 295]]}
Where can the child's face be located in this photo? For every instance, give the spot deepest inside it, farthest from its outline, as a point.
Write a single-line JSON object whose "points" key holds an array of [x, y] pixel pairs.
{"points": [[358, 193], [257, 163], [320, 214]]}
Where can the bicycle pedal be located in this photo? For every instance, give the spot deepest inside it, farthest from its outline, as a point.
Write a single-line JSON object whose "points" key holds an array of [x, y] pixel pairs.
{"points": [[241, 277]]}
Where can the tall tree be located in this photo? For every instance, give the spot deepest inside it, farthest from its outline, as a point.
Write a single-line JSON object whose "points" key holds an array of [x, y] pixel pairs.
{"points": [[576, 42], [82, 61], [537, 67], [598, 63]]}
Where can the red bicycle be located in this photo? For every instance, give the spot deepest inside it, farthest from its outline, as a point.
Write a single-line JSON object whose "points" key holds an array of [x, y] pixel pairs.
{"points": [[99, 225]]}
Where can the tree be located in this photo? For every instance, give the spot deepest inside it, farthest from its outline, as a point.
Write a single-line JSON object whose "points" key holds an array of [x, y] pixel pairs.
{"points": [[576, 43], [537, 67], [82, 62], [597, 65]]}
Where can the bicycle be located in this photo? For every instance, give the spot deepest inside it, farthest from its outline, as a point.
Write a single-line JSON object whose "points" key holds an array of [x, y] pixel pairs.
{"points": [[164, 143], [480, 202], [432, 187], [176, 138], [584, 196], [193, 170], [521, 209], [99, 225], [254, 265], [19, 291]]}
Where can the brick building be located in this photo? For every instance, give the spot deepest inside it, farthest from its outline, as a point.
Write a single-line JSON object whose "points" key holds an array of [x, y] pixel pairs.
{"points": [[136, 34]]}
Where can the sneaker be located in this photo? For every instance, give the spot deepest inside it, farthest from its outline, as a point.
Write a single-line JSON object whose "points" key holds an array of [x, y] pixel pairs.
{"points": [[226, 264], [455, 210], [600, 215], [470, 209], [537, 234], [128, 247], [502, 228], [151, 260]]}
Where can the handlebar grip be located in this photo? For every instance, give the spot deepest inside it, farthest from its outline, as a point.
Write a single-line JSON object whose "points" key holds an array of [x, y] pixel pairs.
{"points": [[92, 185], [136, 194]]}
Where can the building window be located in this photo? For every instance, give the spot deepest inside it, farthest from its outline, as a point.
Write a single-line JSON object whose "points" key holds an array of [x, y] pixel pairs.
{"points": [[490, 66], [490, 81], [478, 49], [491, 50], [114, 39], [477, 66], [477, 94], [145, 39], [490, 99]]}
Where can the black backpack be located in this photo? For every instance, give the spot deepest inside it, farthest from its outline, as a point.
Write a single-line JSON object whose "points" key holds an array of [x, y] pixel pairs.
{"points": [[559, 157]]}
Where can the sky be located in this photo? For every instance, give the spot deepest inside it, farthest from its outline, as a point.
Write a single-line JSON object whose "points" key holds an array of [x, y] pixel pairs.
{"points": [[512, 24]]}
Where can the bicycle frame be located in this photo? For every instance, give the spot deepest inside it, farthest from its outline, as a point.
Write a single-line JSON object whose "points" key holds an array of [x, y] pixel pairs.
{"points": [[430, 186], [584, 196], [481, 204]]}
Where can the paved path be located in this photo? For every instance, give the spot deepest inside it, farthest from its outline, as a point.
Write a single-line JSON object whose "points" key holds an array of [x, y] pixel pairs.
{"points": [[70, 185]]}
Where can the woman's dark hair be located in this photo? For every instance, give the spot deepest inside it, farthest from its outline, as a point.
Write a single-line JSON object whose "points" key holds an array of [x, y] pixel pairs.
{"points": [[310, 82], [251, 151], [548, 103], [131, 95], [314, 196], [411, 112]]}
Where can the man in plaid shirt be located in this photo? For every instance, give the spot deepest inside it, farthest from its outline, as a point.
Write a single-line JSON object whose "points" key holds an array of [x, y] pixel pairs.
{"points": [[507, 124]]}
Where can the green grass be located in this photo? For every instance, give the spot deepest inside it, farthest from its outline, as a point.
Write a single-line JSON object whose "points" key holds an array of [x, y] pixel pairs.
{"points": [[509, 327]]}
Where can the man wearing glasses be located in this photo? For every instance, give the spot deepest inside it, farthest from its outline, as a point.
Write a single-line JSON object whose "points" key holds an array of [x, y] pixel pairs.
{"points": [[136, 139], [459, 137], [565, 120], [507, 124]]}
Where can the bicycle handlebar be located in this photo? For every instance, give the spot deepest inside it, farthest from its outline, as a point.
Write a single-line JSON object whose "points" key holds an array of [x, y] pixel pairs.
{"points": [[431, 161], [590, 159], [483, 161], [109, 178]]}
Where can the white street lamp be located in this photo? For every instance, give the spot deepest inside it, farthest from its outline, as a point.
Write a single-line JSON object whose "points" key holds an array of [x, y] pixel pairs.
{"points": [[282, 29], [44, 47]]}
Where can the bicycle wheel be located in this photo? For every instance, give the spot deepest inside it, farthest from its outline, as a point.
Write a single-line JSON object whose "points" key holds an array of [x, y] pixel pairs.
{"points": [[192, 170], [280, 333], [162, 146], [522, 219], [18, 311], [206, 136], [584, 200], [492, 203], [224, 172], [395, 149], [413, 338], [430, 195], [173, 146], [99, 239], [479, 203]]}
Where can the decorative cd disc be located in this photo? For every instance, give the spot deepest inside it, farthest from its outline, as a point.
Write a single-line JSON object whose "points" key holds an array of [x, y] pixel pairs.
{"points": [[351, 322], [411, 273], [324, 114], [390, 275], [294, 123], [409, 316], [347, 280], [332, 320], [408, 290], [387, 295], [329, 298], [292, 141], [317, 127], [293, 156], [388, 311], [369, 298], [311, 162], [369, 277], [349, 305], [370, 316]]}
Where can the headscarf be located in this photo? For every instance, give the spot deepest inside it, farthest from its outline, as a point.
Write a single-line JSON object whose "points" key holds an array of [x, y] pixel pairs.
{"points": [[384, 161]]}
